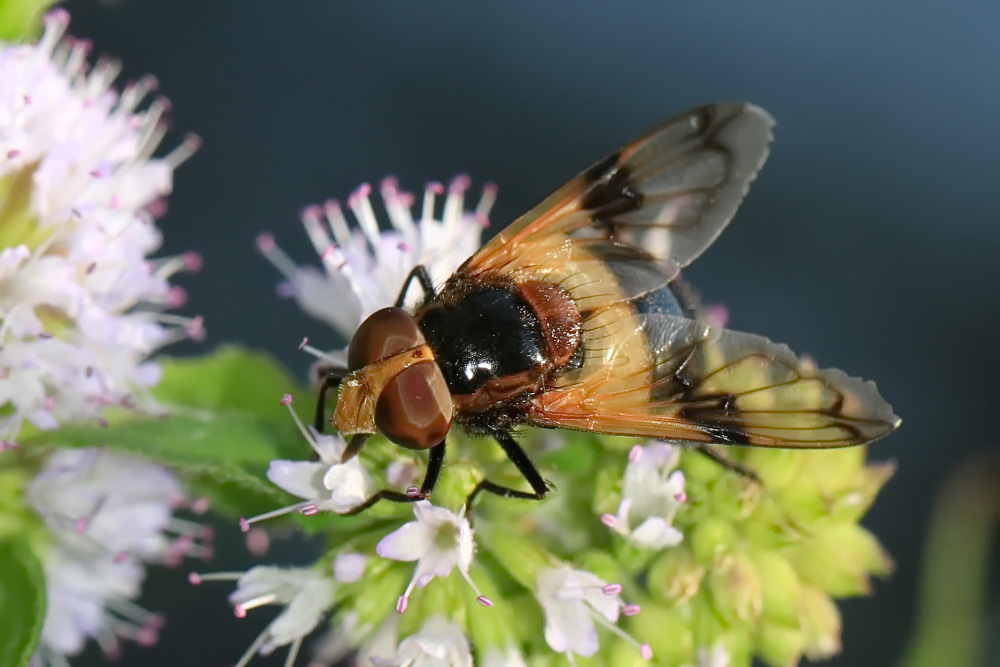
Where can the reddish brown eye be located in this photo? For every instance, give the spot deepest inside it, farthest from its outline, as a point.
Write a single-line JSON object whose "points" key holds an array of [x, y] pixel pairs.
{"points": [[414, 409], [382, 335]]}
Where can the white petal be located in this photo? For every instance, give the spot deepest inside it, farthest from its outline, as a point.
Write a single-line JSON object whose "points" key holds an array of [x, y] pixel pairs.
{"points": [[409, 542], [655, 533], [299, 478]]}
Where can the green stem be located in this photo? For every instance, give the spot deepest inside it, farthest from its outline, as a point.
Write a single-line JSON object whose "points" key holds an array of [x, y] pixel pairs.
{"points": [[956, 567]]}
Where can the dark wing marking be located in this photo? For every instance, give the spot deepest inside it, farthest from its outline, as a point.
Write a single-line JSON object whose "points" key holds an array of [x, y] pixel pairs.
{"points": [[713, 385], [670, 192]]}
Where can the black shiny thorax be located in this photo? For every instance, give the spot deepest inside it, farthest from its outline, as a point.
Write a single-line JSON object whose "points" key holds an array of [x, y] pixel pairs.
{"points": [[488, 333]]}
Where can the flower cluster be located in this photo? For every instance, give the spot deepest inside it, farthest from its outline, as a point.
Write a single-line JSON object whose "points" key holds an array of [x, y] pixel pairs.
{"points": [[107, 515], [82, 306], [685, 540]]}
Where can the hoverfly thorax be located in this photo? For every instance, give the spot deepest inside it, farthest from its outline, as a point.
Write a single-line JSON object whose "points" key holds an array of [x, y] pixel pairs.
{"points": [[395, 386]]}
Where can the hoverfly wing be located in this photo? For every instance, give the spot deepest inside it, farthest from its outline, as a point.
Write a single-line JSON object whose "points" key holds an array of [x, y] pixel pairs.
{"points": [[712, 385], [670, 192]]}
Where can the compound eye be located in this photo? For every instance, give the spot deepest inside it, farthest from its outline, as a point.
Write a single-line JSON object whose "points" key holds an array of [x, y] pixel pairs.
{"points": [[382, 335], [414, 409]]}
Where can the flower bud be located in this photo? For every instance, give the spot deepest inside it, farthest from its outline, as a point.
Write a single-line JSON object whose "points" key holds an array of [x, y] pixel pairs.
{"points": [[712, 538], [820, 624], [779, 644], [736, 588], [780, 592], [676, 576]]}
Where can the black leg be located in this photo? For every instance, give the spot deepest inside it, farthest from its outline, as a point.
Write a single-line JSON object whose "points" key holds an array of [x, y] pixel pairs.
{"points": [[434, 464], [540, 488], [713, 453], [421, 275], [331, 379]]}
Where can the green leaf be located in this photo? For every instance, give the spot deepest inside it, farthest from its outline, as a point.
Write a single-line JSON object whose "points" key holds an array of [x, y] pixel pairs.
{"points": [[225, 425], [20, 19], [22, 603]]}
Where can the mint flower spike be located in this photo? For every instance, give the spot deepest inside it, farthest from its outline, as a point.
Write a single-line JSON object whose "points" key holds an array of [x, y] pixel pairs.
{"points": [[305, 593], [652, 491], [81, 303], [438, 642], [572, 601], [326, 485], [439, 540], [107, 514]]}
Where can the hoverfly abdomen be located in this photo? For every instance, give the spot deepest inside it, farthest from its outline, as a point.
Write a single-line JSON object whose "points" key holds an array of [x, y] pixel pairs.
{"points": [[558, 317]]}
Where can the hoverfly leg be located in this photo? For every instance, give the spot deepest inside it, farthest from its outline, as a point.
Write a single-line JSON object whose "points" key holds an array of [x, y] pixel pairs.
{"points": [[331, 378], [540, 488], [716, 455], [434, 464], [419, 273]]}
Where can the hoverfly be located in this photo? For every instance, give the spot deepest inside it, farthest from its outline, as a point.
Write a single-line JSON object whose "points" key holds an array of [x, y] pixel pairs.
{"points": [[574, 317]]}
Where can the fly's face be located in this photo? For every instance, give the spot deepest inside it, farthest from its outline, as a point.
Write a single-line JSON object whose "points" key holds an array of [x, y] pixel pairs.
{"points": [[395, 386]]}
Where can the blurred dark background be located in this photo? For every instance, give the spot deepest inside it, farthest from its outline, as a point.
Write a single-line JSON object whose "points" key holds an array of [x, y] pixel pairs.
{"points": [[870, 240]]}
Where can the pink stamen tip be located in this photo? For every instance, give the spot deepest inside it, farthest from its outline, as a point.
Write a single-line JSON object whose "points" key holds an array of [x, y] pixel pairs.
{"points": [[27, 99], [91, 268], [311, 212], [609, 520], [207, 534], [389, 183], [612, 589], [286, 399], [193, 260], [484, 601], [310, 510], [195, 329], [156, 621], [460, 183], [646, 651], [157, 208], [681, 497], [80, 525], [58, 15], [490, 189], [85, 44], [201, 505], [120, 557], [402, 603], [147, 637], [176, 297], [244, 525], [239, 611], [434, 188], [631, 609], [331, 206], [413, 492], [635, 454], [102, 422], [406, 199], [49, 403], [304, 342], [484, 222], [194, 579], [285, 289], [265, 242], [404, 246], [328, 252], [193, 141], [258, 542], [116, 201], [13, 154]]}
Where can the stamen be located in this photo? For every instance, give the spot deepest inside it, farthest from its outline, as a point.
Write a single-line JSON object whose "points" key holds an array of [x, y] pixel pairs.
{"points": [[609, 520], [254, 647], [635, 454], [245, 523], [272, 253], [487, 200], [258, 601], [180, 154], [612, 589], [293, 652], [644, 649], [430, 192], [337, 222]]}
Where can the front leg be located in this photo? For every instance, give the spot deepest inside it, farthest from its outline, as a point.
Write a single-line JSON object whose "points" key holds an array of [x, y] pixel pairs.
{"points": [[331, 379], [539, 487], [434, 464], [420, 274]]}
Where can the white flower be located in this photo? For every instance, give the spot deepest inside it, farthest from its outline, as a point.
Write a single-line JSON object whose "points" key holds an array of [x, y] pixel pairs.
{"points": [[89, 595], [305, 593], [716, 657], [80, 301], [364, 268], [326, 485], [439, 540], [572, 600], [652, 490], [116, 504], [509, 656], [439, 643]]}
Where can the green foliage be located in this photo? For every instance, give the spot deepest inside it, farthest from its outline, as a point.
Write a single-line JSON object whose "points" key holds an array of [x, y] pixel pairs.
{"points": [[224, 426], [22, 602], [21, 19]]}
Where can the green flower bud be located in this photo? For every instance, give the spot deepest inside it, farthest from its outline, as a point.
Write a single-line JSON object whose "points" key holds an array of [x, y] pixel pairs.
{"points": [[780, 587], [676, 576], [820, 622], [667, 631], [712, 538], [736, 588], [839, 558], [780, 645]]}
